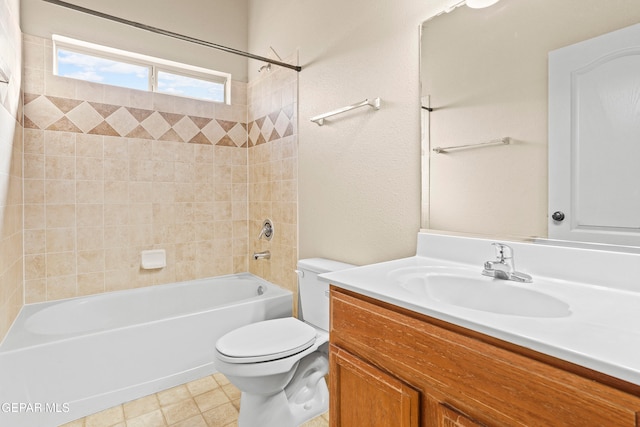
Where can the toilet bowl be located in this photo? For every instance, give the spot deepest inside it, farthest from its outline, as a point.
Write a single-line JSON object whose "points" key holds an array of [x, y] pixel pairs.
{"points": [[279, 365]]}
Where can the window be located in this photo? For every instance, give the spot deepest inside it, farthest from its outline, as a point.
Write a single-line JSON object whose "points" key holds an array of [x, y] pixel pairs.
{"points": [[95, 63], [194, 87], [102, 70]]}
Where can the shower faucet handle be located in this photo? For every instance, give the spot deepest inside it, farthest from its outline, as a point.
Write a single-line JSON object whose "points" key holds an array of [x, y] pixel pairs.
{"points": [[267, 230]]}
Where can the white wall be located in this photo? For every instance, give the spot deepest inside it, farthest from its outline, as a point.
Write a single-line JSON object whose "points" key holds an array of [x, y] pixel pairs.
{"points": [[359, 174], [222, 22]]}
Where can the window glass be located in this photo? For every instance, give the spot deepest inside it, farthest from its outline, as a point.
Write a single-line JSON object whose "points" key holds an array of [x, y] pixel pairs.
{"points": [[102, 64], [102, 70], [177, 84]]}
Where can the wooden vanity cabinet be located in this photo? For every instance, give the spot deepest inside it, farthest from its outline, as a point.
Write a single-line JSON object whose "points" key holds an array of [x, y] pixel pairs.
{"points": [[394, 367]]}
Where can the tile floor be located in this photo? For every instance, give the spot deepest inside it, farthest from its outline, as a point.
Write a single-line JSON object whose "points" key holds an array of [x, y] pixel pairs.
{"points": [[207, 402]]}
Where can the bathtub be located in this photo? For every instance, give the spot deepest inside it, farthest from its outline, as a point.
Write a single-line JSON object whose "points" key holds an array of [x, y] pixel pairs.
{"points": [[63, 360]]}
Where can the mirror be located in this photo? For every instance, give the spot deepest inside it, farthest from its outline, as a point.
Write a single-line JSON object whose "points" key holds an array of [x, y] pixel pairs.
{"points": [[484, 77]]}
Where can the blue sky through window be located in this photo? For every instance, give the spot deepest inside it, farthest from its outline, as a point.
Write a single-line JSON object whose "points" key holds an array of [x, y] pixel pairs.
{"points": [[100, 70], [118, 73], [188, 86]]}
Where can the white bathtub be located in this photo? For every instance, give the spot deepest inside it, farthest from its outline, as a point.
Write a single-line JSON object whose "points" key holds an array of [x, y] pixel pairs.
{"points": [[63, 360]]}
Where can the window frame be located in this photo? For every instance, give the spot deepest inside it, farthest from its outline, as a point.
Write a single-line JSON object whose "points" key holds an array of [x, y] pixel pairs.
{"points": [[154, 65]]}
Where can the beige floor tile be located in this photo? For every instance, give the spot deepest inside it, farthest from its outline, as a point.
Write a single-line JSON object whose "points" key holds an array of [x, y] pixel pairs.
{"points": [[197, 421], [76, 423], [215, 403], [173, 395], [319, 421], [222, 415], [202, 385], [221, 379], [150, 419], [211, 399], [180, 411], [106, 418], [232, 391], [141, 406]]}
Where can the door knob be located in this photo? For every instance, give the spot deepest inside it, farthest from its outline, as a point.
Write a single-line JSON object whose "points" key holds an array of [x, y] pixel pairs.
{"points": [[558, 216]]}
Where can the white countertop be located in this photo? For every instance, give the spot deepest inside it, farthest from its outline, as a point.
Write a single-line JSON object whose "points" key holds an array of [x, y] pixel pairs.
{"points": [[602, 332]]}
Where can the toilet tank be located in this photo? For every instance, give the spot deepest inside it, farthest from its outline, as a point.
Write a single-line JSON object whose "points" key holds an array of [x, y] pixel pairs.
{"points": [[313, 299]]}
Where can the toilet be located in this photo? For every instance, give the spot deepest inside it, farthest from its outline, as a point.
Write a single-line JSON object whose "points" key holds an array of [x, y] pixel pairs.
{"points": [[279, 365]]}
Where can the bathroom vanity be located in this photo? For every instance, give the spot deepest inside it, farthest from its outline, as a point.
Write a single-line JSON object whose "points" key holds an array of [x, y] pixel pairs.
{"points": [[392, 367], [399, 357]]}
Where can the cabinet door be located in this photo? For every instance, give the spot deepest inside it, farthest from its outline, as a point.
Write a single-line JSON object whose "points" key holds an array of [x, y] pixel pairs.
{"points": [[362, 395], [447, 416]]}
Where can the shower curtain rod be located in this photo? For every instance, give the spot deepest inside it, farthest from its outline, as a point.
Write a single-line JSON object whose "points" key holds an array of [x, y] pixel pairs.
{"points": [[172, 34]]}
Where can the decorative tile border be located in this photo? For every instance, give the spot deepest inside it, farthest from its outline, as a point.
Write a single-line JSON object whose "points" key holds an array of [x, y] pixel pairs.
{"points": [[276, 125], [72, 115]]}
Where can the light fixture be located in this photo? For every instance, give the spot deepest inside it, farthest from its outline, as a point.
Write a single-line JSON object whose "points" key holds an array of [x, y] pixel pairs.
{"points": [[479, 4]]}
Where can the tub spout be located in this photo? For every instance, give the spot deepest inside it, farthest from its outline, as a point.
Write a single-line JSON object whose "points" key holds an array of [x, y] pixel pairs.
{"points": [[262, 255]]}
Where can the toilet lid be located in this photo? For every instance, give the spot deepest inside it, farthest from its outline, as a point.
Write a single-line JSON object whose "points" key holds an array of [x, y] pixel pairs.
{"points": [[266, 340]]}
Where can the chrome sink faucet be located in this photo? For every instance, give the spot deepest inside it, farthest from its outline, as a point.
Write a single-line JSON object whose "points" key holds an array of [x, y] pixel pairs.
{"points": [[504, 267]]}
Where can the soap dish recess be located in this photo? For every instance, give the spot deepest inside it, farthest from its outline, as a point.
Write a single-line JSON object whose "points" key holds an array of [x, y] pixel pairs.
{"points": [[153, 259]]}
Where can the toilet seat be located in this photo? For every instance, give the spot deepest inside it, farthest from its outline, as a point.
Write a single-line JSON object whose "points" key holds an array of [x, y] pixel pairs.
{"points": [[266, 341]]}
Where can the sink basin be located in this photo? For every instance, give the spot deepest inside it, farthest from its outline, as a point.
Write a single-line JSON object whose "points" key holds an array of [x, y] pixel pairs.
{"points": [[469, 289]]}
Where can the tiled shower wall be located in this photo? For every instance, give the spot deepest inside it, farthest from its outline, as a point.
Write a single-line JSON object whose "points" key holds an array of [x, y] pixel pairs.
{"points": [[273, 173], [110, 172], [11, 276]]}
